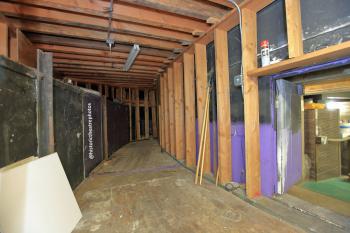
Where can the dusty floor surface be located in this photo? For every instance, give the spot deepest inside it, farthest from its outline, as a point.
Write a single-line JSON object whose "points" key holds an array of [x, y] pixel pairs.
{"points": [[143, 190]]}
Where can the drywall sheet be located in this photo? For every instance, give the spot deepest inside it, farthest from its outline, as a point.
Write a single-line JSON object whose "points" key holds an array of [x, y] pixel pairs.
{"points": [[118, 126], [237, 106], [331, 27], [92, 113], [68, 124], [271, 23], [18, 112], [41, 200]]}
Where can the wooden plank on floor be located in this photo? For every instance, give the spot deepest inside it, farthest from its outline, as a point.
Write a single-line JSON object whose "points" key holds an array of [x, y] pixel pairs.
{"points": [[201, 85], [171, 111], [190, 108], [223, 106], [179, 110], [146, 110], [251, 104]]}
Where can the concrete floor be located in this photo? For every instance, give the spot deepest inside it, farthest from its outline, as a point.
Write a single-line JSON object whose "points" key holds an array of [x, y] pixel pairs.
{"points": [[143, 190]]}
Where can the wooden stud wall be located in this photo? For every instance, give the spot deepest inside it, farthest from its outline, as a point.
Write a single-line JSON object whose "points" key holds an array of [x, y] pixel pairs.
{"points": [[167, 117], [137, 114], [4, 39], [179, 111], [171, 110], [154, 114], [223, 106], [146, 109], [201, 86], [190, 105]]}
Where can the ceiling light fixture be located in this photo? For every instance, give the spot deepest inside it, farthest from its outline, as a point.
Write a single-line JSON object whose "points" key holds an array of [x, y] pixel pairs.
{"points": [[131, 58]]}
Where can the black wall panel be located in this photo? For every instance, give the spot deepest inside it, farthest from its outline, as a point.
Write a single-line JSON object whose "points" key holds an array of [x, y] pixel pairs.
{"points": [[18, 112], [271, 23], [68, 124], [118, 126], [325, 23], [235, 58], [93, 145]]}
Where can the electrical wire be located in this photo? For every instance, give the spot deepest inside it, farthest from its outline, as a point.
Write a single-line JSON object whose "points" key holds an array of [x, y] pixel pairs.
{"points": [[240, 31]]}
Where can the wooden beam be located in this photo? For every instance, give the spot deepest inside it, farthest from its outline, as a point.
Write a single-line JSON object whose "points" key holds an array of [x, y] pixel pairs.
{"points": [[223, 106], [180, 140], [251, 104], [4, 39], [190, 105], [146, 109], [126, 13], [167, 116], [294, 28], [201, 86], [69, 31], [171, 111], [94, 52], [91, 22], [161, 114], [337, 85], [13, 52], [137, 113], [154, 114]]}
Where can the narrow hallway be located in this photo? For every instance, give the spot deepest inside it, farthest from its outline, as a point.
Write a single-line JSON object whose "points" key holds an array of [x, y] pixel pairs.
{"points": [[143, 190]]}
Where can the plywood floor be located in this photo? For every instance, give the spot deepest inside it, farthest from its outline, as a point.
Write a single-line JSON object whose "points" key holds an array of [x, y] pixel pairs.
{"points": [[143, 190]]}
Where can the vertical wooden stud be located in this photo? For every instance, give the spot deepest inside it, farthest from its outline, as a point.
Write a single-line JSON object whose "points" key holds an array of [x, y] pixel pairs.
{"points": [[171, 111], [130, 115], [166, 115], [190, 108], [106, 91], [201, 85], [179, 111], [100, 89], [154, 114], [294, 28], [4, 39], [223, 106], [105, 127], [161, 113], [146, 108], [251, 104], [138, 128]]}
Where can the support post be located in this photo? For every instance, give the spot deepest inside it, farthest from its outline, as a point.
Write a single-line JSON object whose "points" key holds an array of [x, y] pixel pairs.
{"points": [[46, 132], [201, 85], [161, 113], [4, 39], [223, 106], [130, 115], [137, 113], [146, 109], [179, 111], [166, 115], [171, 111], [105, 127], [251, 104], [190, 116], [154, 114]]}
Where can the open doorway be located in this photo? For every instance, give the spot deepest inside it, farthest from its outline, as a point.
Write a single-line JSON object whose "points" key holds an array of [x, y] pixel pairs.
{"points": [[325, 147]]}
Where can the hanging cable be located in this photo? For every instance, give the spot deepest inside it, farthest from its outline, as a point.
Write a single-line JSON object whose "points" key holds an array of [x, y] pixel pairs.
{"points": [[240, 31], [109, 41]]}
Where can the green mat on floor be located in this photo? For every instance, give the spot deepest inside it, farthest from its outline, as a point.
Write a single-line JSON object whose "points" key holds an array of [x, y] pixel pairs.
{"points": [[338, 188]]}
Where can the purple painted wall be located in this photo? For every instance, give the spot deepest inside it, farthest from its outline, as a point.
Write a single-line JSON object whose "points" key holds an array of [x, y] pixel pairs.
{"points": [[238, 152]]}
